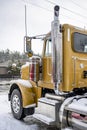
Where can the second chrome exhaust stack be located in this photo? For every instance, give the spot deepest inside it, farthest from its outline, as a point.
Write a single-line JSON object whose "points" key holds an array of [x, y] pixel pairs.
{"points": [[56, 36]]}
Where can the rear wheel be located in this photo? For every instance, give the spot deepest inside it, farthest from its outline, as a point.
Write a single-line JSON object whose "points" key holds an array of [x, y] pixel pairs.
{"points": [[16, 104]]}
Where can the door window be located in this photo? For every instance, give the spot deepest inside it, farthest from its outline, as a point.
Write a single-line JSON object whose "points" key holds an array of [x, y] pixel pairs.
{"points": [[48, 51], [80, 42]]}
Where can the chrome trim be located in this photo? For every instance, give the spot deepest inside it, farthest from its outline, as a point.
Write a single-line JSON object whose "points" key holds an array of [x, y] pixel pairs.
{"points": [[56, 51]]}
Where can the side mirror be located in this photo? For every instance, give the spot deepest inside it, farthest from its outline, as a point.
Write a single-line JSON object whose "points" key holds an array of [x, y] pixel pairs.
{"points": [[27, 46]]}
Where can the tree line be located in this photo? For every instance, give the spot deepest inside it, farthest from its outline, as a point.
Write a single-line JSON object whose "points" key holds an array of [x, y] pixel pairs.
{"points": [[6, 55], [14, 60]]}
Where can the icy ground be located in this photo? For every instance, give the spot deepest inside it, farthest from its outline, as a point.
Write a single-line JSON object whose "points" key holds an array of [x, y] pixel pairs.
{"points": [[7, 121]]}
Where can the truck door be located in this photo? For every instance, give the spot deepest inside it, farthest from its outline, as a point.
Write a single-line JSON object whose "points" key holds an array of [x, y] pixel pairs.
{"points": [[47, 65], [80, 59]]}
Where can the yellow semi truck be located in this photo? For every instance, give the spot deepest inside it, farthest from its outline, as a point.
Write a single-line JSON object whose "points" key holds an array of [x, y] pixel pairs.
{"points": [[53, 87]]}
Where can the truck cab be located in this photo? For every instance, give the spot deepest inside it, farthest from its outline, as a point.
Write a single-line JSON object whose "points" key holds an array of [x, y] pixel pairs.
{"points": [[74, 60]]}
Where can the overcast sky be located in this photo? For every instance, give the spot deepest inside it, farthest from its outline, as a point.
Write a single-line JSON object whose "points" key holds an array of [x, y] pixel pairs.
{"points": [[39, 18]]}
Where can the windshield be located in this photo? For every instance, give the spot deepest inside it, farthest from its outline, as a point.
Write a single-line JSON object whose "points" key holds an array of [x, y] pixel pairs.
{"points": [[80, 42]]}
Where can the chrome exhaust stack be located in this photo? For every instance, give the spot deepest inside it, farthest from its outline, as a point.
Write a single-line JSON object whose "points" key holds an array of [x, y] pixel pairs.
{"points": [[56, 36]]}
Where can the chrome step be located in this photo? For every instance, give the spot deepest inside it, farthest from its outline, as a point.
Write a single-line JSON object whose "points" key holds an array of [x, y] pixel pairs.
{"points": [[48, 101], [44, 119], [47, 110]]}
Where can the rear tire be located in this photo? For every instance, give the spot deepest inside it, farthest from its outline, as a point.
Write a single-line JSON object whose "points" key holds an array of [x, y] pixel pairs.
{"points": [[16, 104]]}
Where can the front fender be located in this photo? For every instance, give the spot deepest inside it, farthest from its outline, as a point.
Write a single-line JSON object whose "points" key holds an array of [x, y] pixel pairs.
{"points": [[26, 90]]}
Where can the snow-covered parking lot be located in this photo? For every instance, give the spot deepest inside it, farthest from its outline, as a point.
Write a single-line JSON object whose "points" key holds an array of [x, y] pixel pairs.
{"points": [[7, 121]]}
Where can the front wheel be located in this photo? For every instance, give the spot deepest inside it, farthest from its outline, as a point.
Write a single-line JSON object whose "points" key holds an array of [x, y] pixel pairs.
{"points": [[16, 104]]}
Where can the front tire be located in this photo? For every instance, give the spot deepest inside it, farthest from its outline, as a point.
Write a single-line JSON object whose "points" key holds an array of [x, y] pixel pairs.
{"points": [[16, 104]]}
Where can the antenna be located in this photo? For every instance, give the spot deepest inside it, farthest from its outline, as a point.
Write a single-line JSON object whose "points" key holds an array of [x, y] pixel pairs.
{"points": [[25, 21]]}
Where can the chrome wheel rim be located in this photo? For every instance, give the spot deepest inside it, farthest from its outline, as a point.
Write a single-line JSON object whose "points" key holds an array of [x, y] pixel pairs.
{"points": [[16, 104]]}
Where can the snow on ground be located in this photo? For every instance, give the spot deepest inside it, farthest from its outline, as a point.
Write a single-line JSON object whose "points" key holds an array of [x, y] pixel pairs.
{"points": [[8, 122]]}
